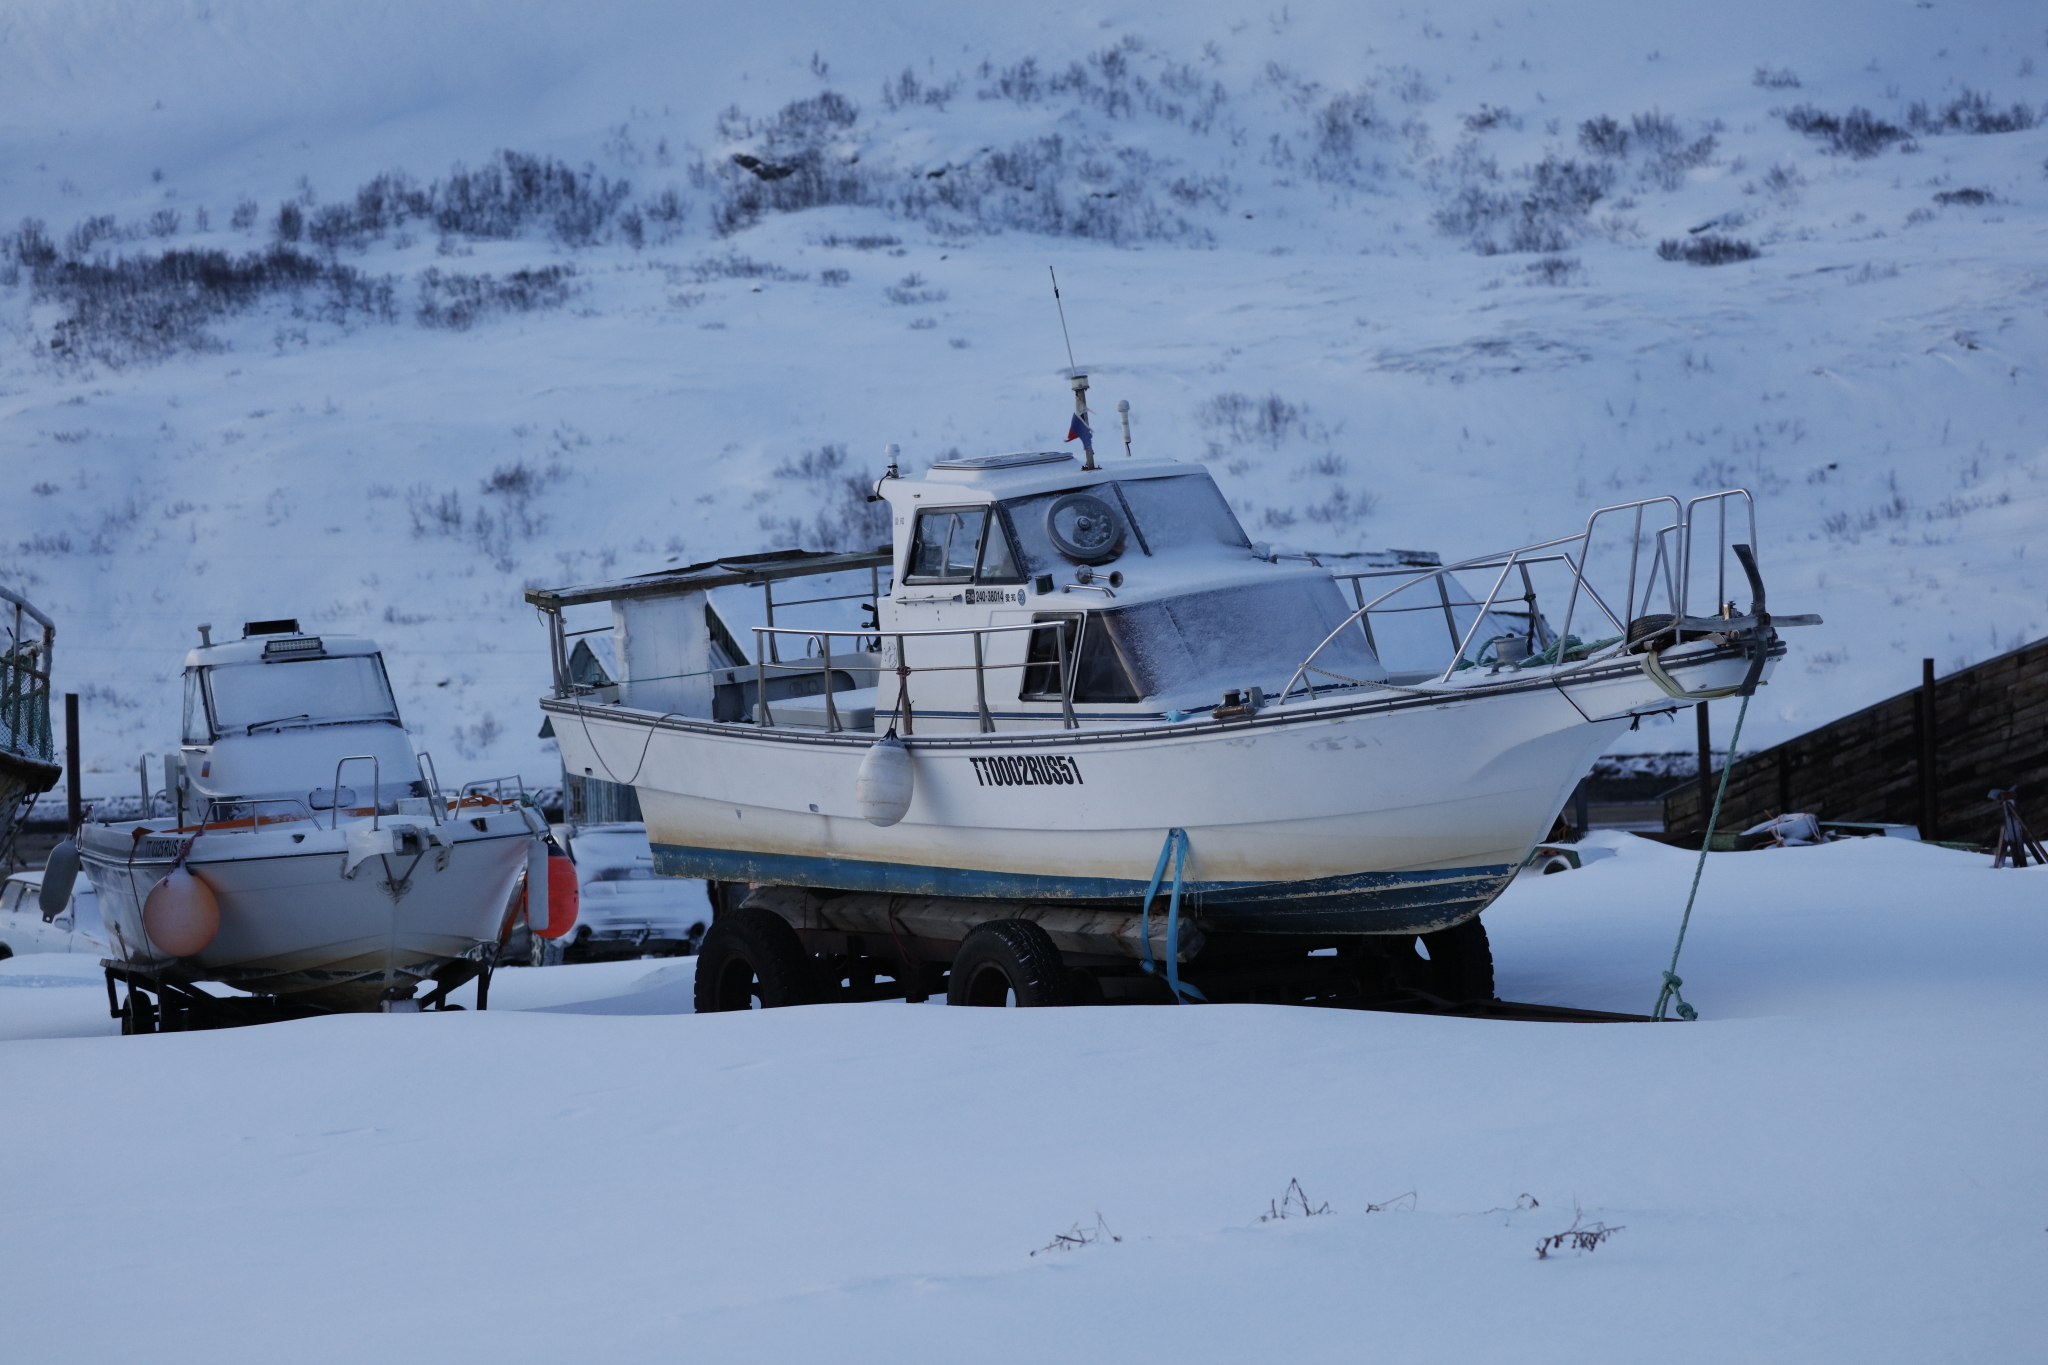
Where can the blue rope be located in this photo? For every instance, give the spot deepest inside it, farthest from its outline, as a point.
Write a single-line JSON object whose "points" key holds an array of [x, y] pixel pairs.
{"points": [[1176, 846]]}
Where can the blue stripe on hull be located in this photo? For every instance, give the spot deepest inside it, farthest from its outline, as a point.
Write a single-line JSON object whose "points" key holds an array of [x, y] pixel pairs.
{"points": [[1356, 903]]}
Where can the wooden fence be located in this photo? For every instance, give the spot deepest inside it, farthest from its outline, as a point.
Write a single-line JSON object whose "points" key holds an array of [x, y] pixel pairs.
{"points": [[1886, 763]]}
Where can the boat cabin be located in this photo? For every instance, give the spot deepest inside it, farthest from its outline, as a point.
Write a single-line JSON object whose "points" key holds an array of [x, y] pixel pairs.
{"points": [[269, 716], [1018, 591]]}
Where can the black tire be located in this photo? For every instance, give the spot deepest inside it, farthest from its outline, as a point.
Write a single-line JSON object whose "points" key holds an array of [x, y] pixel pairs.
{"points": [[138, 1013], [1461, 962], [5, 952], [1008, 960], [752, 959]]}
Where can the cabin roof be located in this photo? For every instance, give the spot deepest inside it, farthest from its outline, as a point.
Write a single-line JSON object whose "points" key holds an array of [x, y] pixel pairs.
{"points": [[252, 649], [732, 571]]}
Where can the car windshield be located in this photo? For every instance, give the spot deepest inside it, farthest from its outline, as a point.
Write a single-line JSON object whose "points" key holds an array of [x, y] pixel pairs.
{"points": [[247, 697]]}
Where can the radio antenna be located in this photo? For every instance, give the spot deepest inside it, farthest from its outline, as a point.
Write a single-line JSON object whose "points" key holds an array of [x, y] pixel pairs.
{"points": [[1071, 366]]}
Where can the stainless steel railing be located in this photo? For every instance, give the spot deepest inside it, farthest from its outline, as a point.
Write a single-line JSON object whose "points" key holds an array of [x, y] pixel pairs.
{"points": [[870, 642]]}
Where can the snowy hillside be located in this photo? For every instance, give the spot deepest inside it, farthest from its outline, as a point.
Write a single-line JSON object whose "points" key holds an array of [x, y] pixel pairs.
{"points": [[374, 314]]}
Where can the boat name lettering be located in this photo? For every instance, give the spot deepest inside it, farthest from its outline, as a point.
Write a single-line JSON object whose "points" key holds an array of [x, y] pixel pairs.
{"points": [[1004, 595], [1027, 770]]}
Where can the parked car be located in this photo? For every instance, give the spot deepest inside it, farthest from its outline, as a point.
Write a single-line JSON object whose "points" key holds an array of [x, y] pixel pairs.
{"points": [[77, 930], [623, 909]]}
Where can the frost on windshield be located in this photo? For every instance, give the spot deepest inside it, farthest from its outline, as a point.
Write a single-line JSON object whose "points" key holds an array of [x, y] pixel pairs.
{"points": [[1187, 509], [1184, 510], [1253, 635], [305, 690]]}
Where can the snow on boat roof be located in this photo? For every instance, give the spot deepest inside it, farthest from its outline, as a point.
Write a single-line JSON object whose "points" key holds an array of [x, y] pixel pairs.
{"points": [[256, 648]]}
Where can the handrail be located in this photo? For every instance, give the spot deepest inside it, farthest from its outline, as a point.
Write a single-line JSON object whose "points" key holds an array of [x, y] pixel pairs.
{"points": [[376, 781], [215, 804], [49, 626], [1066, 661], [1671, 560]]}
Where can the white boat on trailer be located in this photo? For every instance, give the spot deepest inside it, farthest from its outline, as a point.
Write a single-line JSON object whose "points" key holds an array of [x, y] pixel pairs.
{"points": [[1084, 666], [298, 869]]}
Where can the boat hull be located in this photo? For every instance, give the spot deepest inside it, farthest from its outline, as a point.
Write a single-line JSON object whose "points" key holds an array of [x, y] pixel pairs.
{"points": [[293, 924], [1373, 812]]}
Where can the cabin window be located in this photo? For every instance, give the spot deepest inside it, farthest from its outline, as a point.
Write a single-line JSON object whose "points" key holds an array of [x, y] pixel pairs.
{"points": [[251, 697], [1099, 672], [1187, 509], [1234, 637], [1084, 526], [951, 542], [946, 543], [197, 731]]}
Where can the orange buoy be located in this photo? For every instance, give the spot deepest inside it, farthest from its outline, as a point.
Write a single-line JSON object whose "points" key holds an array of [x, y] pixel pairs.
{"points": [[562, 900], [181, 914]]}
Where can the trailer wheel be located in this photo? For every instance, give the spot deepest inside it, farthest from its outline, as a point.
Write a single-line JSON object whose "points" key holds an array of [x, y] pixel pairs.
{"points": [[1008, 962], [751, 959], [1461, 962], [138, 1013]]}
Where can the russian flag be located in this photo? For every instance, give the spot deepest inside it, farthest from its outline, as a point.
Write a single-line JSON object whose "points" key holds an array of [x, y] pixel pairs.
{"points": [[1077, 430]]}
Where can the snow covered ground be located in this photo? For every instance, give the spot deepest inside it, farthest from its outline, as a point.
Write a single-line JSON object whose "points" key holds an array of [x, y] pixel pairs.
{"points": [[1839, 1162], [1273, 225]]}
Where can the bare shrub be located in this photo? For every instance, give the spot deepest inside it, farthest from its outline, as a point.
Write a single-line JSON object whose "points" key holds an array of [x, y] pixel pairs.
{"points": [[1269, 420], [512, 190], [1342, 507], [1969, 112], [907, 91], [1581, 1236], [1488, 117], [1707, 249], [1546, 214], [1964, 196], [825, 462], [733, 266], [1077, 1236], [1554, 270], [244, 216], [1858, 133], [458, 302], [912, 289], [1780, 78], [1294, 1203], [847, 522], [834, 277], [142, 307], [1603, 136]]}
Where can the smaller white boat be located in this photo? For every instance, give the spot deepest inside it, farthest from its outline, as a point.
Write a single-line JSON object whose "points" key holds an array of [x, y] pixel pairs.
{"points": [[313, 859]]}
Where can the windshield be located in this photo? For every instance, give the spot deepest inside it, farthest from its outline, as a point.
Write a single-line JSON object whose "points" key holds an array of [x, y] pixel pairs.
{"points": [[1084, 526], [246, 697], [1236, 637]]}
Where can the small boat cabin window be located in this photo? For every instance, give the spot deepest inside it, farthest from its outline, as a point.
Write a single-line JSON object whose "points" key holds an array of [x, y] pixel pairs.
{"points": [[1087, 526], [1099, 672], [196, 729], [961, 544], [250, 697]]}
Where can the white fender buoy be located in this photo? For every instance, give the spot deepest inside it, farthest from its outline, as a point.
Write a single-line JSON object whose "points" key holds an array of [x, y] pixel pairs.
{"points": [[181, 914], [882, 788]]}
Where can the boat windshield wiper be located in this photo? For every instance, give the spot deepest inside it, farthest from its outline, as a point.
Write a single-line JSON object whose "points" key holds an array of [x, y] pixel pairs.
{"points": [[279, 721]]}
